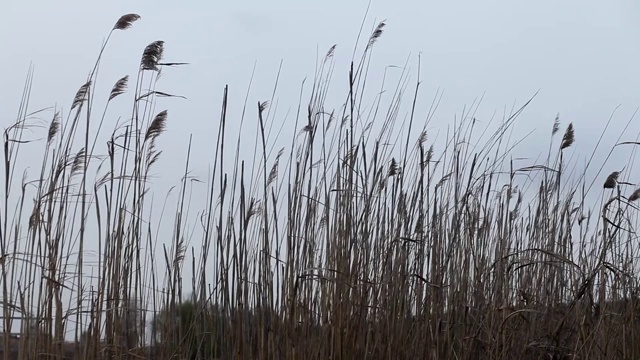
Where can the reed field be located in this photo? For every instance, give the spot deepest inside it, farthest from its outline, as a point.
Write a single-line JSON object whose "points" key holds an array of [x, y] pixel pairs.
{"points": [[361, 238]]}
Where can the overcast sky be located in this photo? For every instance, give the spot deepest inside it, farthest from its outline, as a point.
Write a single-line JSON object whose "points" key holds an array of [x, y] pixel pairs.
{"points": [[583, 56]]}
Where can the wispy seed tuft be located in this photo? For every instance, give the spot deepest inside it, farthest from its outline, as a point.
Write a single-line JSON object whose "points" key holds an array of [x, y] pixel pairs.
{"points": [[119, 88], [126, 21], [157, 126], [393, 168], [273, 174], [611, 180], [81, 95], [556, 125], [152, 55], [78, 162], [568, 138], [330, 52], [54, 127], [422, 138], [376, 34]]}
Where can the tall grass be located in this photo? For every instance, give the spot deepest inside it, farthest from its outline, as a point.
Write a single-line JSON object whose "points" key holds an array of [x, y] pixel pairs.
{"points": [[359, 240]]}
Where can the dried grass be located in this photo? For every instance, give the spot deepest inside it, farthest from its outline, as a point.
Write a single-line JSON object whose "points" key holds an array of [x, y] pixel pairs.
{"points": [[346, 248]]}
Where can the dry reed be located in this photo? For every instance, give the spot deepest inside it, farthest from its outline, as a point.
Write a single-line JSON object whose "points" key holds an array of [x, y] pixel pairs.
{"points": [[345, 248]]}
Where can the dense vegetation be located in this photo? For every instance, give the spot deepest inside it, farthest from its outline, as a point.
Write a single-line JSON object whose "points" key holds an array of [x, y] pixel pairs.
{"points": [[347, 244]]}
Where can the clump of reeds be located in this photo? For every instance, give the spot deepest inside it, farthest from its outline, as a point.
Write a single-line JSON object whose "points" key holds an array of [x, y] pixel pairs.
{"points": [[345, 245]]}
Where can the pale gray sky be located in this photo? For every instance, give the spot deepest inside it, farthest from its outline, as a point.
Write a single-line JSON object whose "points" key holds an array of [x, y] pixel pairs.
{"points": [[583, 56]]}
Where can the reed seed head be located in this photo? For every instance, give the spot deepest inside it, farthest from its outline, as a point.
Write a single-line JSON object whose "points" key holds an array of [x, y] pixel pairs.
{"points": [[568, 138], [611, 180], [151, 55], [126, 21]]}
